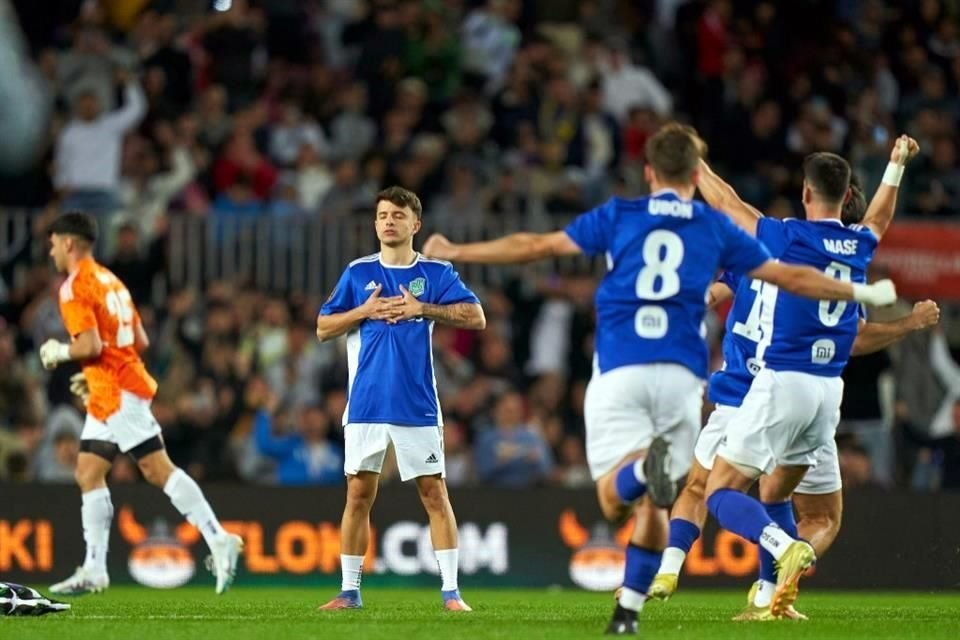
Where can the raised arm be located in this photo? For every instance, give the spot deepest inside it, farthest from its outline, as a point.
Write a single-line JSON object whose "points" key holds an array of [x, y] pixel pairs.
{"points": [[133, 109], [942, 363], [874, 336], [884, 202], [722, 197], [511, 249], [810, 283]]}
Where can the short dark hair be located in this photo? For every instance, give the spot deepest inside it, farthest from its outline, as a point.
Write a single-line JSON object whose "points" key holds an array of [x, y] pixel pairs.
{"points": [[402, 198], [855, 206], [674, 153], [828, 175], [76, 223]]}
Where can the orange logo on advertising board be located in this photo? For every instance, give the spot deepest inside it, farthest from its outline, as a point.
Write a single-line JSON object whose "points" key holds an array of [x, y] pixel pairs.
{"points": [[26, 545], [598, 558]]}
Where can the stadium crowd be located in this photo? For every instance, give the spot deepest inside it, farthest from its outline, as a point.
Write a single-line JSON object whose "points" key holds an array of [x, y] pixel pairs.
{"points": [[275, 108]]}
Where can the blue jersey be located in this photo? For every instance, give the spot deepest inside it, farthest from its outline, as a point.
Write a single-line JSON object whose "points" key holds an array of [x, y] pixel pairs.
{"points": [[773, 328], [391, 377], [662, 253]]}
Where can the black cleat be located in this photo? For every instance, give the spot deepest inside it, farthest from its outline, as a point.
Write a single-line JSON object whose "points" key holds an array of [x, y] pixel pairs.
{"points": [[656, 467], [624, 622]]}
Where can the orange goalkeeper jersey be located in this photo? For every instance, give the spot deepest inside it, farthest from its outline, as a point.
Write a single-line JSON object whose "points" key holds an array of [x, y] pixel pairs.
{"points": [[93, 298]]}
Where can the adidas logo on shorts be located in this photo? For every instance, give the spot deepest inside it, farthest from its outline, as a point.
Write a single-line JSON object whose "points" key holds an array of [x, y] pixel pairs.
{"points": [[432, 459]]}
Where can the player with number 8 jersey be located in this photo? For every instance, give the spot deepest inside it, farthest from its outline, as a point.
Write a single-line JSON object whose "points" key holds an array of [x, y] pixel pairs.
{"points": [[642, 405]]}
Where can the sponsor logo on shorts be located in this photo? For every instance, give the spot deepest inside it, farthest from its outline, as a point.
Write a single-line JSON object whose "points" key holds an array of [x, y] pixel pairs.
{"points": [[432, 459]]}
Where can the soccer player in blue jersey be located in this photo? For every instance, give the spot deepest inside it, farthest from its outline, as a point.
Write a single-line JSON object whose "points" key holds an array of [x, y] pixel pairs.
{"points": [[387, 304], [793, 405], [642, 406], [817, 498]]}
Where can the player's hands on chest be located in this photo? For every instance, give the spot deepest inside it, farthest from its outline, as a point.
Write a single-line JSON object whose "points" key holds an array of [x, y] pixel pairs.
{"points": [[392, 309]]}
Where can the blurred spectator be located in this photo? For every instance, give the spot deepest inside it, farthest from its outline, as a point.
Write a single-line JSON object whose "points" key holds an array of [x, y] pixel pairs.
{"points": [[89, 150], [306, 457], [511, 453], [862, 416], [89, 68], [456, 455], [627, 86], [938, 458], [130, 265], [61, 464], [490, 41], [231, 39], [292, 133], [352, 131]]}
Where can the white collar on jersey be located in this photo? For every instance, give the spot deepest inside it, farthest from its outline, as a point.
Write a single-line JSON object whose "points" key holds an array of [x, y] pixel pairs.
{"points": [[383, 264]]}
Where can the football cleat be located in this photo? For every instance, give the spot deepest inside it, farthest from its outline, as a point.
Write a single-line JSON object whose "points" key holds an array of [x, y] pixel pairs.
{"points": [[623, 622], [453, 602], [798, 557], [656, 468], [80, 583], [18, 600], [753, 612], [344, 600], [663, 586], [222, 562]]}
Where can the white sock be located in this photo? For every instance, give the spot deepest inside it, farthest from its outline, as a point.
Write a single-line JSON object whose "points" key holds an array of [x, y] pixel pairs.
{"points": [[764, 595], [449, 561], [96, 514], [186, 496], [672, 560], [351, 568], [632, 600], [775, 540]]}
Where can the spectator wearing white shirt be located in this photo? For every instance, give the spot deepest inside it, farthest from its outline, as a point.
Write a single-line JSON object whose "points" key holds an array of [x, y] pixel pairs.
{"points": [[490, 42], [626, 86], [87, 161], [291, 133]]}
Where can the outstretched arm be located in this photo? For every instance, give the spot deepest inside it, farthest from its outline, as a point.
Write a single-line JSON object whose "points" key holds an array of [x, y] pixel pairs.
{"points": [[874, 336], [810, 283], [884, 202], [511, 249], [722, 197]]}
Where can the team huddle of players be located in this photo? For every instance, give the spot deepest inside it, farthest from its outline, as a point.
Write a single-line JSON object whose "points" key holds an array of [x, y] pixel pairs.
{"points": [[797, 289]]}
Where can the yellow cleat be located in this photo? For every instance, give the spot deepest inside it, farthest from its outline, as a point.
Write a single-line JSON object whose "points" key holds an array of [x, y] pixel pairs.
{"points": [[798, 557], [663, 586], [753, 613]]}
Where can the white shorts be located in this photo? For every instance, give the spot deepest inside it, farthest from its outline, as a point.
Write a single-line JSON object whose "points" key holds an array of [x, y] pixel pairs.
{"points": [[712, 435], [419, 450], [785, 418], [824, 476], [132, 424], [627, 407]]}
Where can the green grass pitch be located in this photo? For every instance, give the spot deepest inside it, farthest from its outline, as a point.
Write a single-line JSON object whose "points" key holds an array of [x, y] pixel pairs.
{"points": [[398, 614]]}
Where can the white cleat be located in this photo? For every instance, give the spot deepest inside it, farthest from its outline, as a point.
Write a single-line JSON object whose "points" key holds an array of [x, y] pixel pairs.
{"points": [[223, 560], [80, 583]]}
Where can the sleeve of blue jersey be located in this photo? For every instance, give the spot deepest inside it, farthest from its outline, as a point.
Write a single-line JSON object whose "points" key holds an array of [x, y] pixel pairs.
{"points": [[741, 253], [341, 300], [730, 279], [593, 231], [773, 232], [453, 290]]}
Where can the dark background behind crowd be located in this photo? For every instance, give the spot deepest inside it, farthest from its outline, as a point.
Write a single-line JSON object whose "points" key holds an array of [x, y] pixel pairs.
{"points": [[173, 110]]}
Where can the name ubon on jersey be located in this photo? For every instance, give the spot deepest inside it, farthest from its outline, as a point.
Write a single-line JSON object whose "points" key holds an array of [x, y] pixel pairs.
{"points": [[662, 253], [93, 298], [391, 377], [769, 327]]}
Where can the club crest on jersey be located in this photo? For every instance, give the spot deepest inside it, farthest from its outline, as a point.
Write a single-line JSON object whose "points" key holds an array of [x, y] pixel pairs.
{"points": [[417, 286]]}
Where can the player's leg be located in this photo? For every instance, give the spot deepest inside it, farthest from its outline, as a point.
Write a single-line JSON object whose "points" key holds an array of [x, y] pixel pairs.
{"points": [[443, 534], [420, 457], [687, 518], [365, 446], [96, 514], [673, 401], [818, 500], [689, 513], [187, 497]]}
